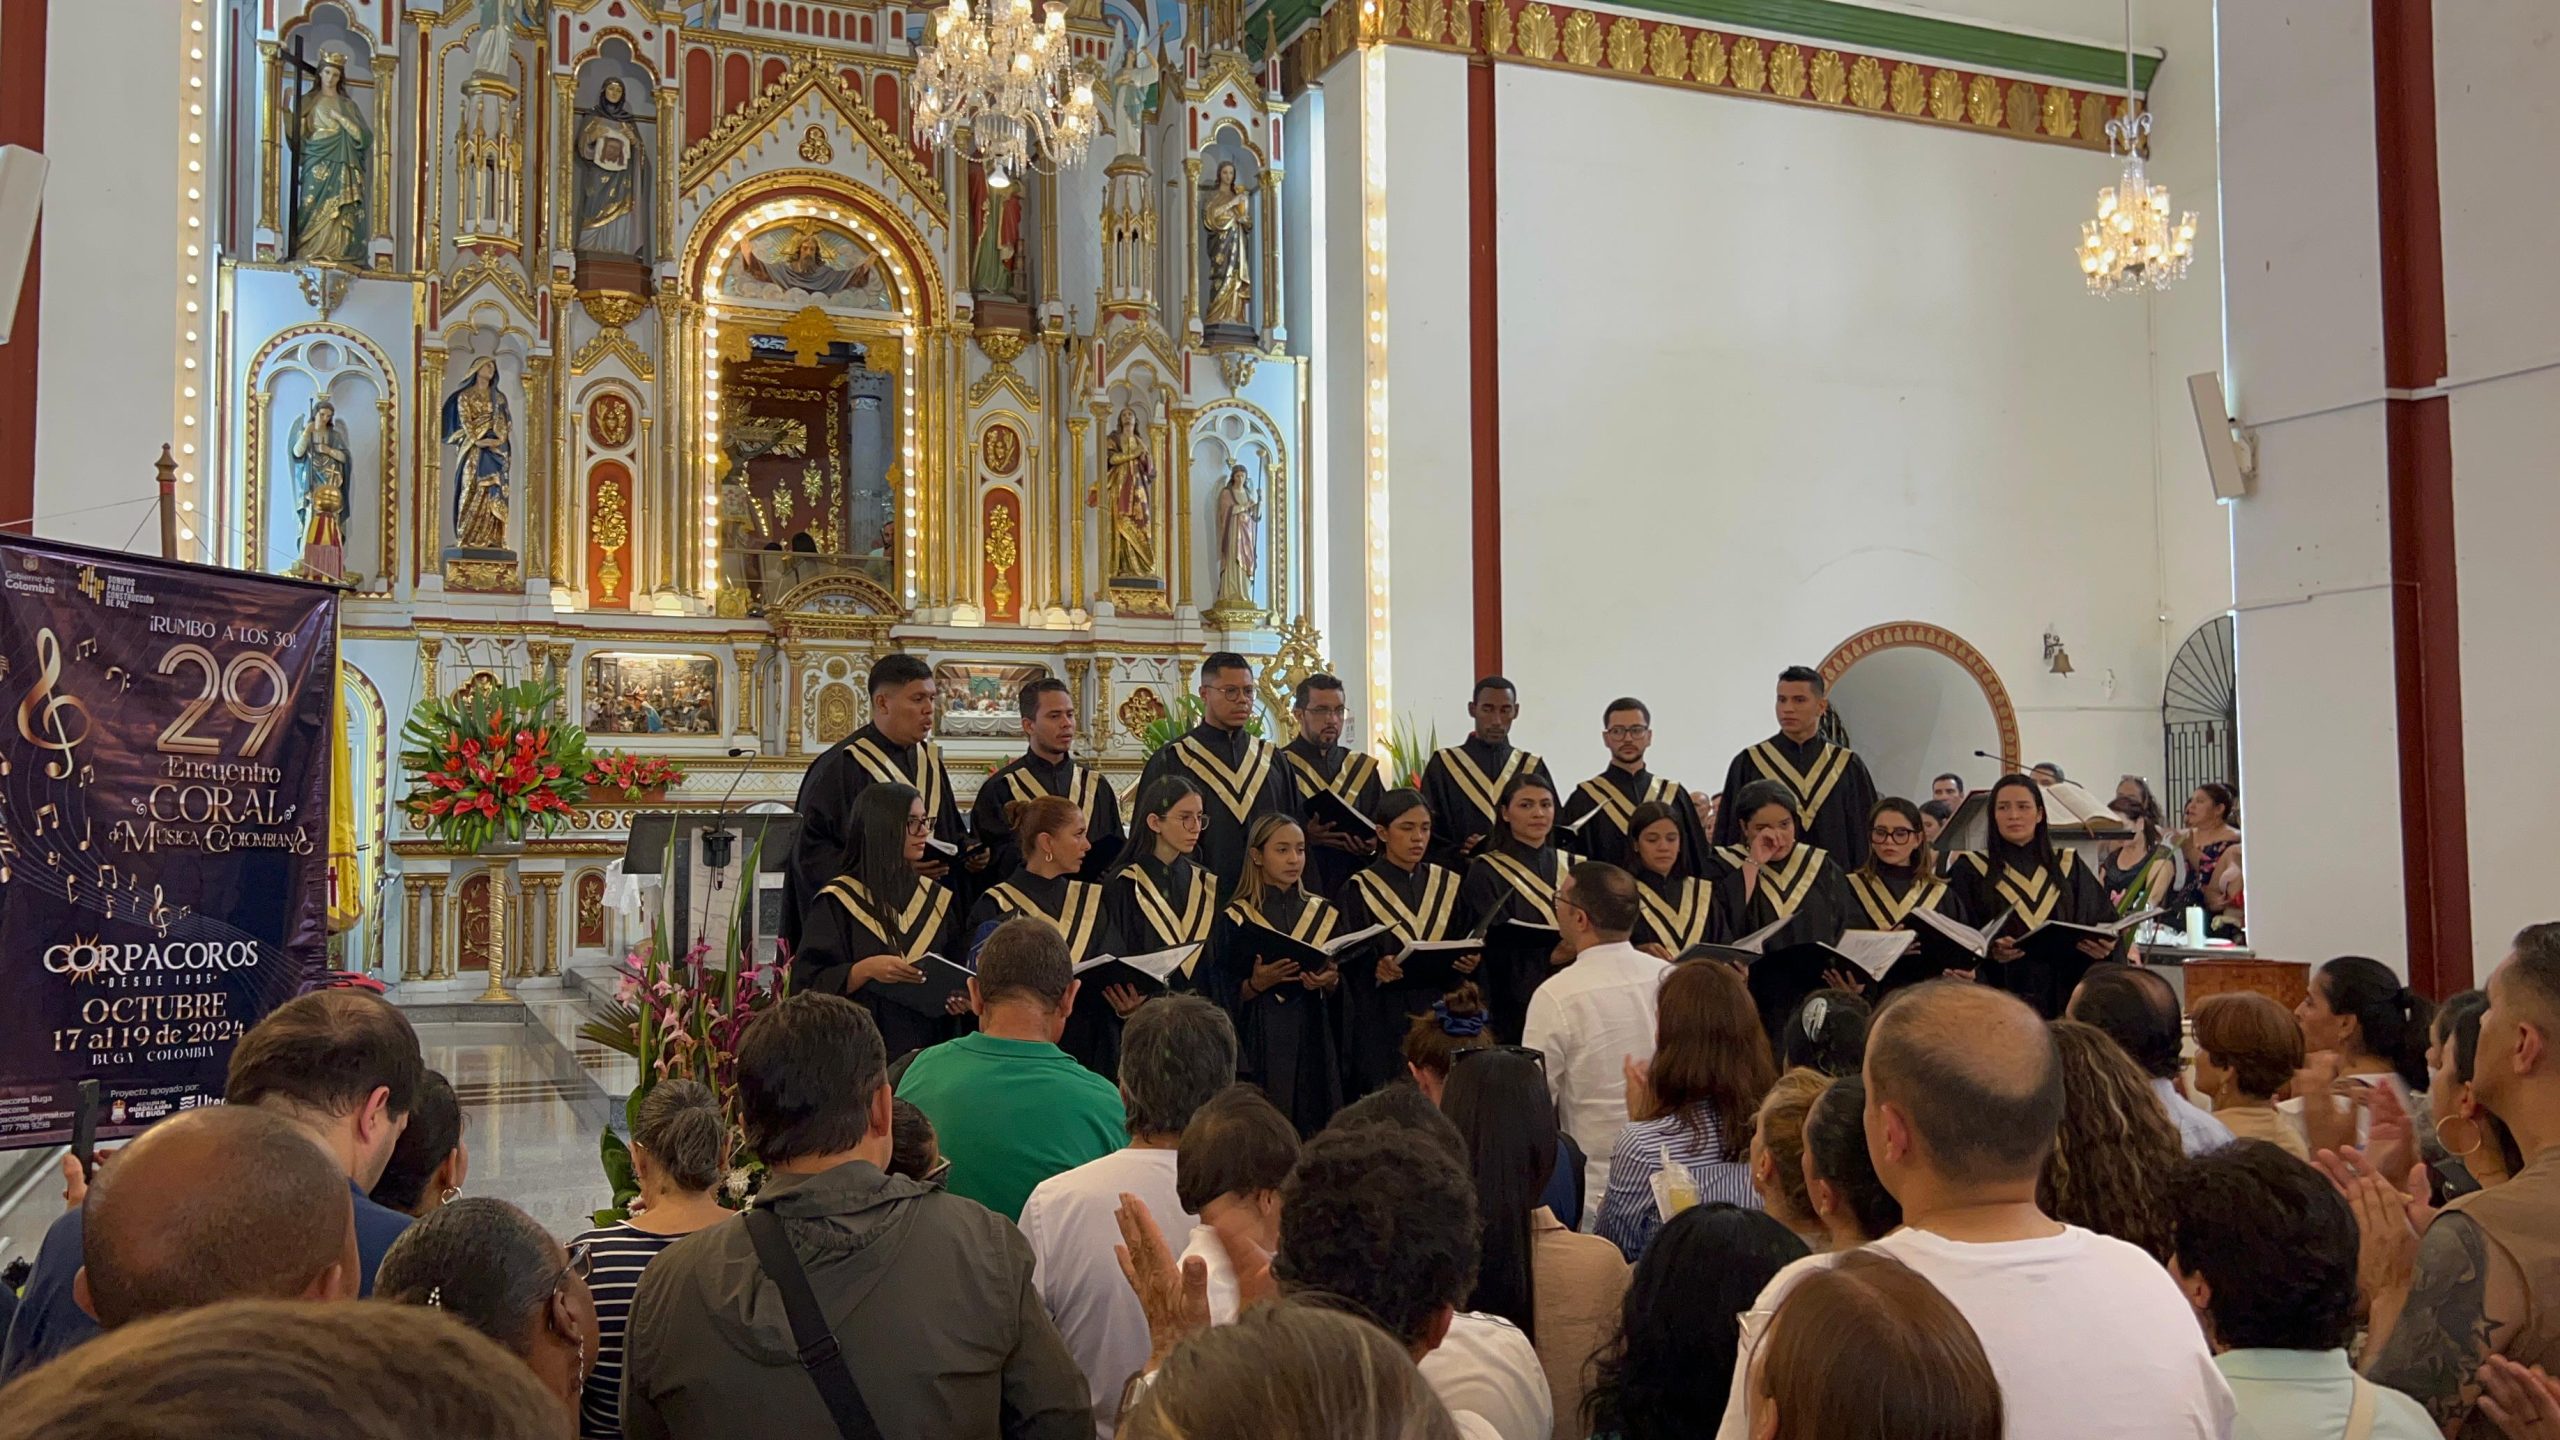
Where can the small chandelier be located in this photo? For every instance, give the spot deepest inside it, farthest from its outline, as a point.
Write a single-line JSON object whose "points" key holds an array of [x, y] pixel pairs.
{"points": [[1009, 82], [2133, 245]]}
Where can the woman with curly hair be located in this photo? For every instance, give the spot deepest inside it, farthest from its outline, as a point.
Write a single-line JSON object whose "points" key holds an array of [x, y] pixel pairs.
{"points": [[2116, 1152]]}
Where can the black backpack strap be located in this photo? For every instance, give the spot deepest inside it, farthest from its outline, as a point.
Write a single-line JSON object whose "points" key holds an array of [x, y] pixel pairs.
{"points": [[820, 1355]]}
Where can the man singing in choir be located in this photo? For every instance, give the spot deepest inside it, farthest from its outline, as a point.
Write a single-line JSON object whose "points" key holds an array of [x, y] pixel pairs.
{"points": [[896, 745], [1318, 761], [1047, 768], [1463, 783], [1594, 820], [1832, 790], [1239, 774]]}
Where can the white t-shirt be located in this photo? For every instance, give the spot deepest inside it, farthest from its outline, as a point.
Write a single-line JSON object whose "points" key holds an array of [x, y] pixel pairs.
{"points": [[1755, 1323], [1586, 1019], [1072, 1223], [1488, 1369], [2088, 1335]]}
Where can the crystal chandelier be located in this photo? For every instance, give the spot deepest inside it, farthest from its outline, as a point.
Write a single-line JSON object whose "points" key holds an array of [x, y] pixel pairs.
{"points": [[2133, 245], [1006, 80]]}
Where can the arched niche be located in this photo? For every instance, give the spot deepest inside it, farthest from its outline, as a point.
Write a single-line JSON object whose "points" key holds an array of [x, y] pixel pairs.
{"points": [[1916, 700]]}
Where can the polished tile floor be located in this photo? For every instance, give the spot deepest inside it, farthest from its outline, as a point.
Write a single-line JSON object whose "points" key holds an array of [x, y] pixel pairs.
{"points": [[535, 1101]]}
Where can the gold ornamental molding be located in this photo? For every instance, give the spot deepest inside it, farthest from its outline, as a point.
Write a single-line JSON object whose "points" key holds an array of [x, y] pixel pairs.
{"points": [[738, 129], [1911, 634], [1659, 50]]}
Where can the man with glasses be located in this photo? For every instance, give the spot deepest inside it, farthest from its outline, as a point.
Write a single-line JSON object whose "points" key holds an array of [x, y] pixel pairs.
{"points": [[896, 745], [1593, 1019], [1463, 783], [1048, 767], [1236, 772], [1318, 761], [1833, 792], [1594, 820]]}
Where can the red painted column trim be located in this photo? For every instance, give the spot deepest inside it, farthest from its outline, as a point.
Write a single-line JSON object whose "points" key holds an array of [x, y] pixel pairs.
{"points": [[22, 53], [1484, 363], [2425, 611]]}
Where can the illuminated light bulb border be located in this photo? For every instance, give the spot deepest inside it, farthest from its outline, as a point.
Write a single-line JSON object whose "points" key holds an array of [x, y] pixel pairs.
{"points": [[1373, 297], [188, 404]]}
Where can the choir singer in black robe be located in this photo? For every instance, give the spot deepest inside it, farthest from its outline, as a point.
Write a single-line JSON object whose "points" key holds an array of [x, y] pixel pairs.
{"points": [[1284, 1015], [1674, 909], [1780, 875], [895, 747], [2021, 871], [1832, 789], [1317, 761], [1051, 832], [1464, 783], [1417, 901], [869, 927], [1048, 767], [1595, 817], [1157, 895], [1902, 876], [1239, 774], [1515, 879]]}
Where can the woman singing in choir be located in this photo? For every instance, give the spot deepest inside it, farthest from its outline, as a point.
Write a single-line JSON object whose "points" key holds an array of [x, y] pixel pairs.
{"points": [[1051, 833], [869, 928], [2020, 871], [1514, 878], [1780, 877], [1676, 907], [1417, 901], [1902, 874], [1283, 1014], [1156, 896]]}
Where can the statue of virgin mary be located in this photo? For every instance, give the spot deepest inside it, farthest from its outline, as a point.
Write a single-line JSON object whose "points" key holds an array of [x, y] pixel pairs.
{"points": [[476, 420]]}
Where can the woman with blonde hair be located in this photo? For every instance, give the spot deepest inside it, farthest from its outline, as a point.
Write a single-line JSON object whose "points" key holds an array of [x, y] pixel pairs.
{"points": [[2116, 1151], [1777, 1155], [1289, 1370]]}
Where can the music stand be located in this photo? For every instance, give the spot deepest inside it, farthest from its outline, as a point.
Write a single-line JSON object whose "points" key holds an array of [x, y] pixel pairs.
{"points": [[708, 850]]}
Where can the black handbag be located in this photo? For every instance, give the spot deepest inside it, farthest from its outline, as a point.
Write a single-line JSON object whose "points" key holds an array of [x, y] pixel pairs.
{"points": [[820, 1355]]}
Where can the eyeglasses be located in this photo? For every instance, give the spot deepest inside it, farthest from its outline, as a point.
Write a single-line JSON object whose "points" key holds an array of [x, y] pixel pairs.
{"points": [[1229, 692], [582, 1263], [941, 1169], [1627, 732], [1192, 821], [1534, 1057], [920, 826], [1894, 836]]}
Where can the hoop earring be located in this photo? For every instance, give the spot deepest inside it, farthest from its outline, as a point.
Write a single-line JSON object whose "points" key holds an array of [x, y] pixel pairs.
{"points": [[2462, 1152], [448, 1194]]}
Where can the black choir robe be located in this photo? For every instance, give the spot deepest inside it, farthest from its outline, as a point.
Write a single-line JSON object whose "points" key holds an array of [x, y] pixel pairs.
{"points": [[1462, 784], [1835, 797], [1511, 881], [1354, 780], [1805, 885], [834, 781], [1609, 799], [1028, 777], [1416, 904], [2067, 889], [1885, 902], [1240, 778], [1153, 906], [845, 926], [1673, 911], [1075, 909], [1284, 1036]]}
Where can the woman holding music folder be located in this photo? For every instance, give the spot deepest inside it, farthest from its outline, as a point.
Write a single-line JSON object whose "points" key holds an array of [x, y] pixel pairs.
{"points": [[868, 932], [1158, 897], [1418, 903], [1510, 898], [1675, 907], [1779, 878], [1268, 964], [1900, 877], [2022, 880], [1050, 830]]}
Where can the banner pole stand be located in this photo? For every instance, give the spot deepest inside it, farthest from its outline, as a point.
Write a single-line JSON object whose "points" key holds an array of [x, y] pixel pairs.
{"points": [[168, 468]]}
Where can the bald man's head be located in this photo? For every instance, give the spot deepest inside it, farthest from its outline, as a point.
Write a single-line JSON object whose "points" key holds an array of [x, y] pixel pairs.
{"points": [[226, 1203], [1973, 1070]]}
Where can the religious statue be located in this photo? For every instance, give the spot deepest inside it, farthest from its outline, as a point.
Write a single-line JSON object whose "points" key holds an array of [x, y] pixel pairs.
{"points": [[319, 451], [1226, 224], [493, 39], [1131, 90], [477, 420], [995, 247], [1129, 546], [1239, 545], [331, 163], [613, 180]]}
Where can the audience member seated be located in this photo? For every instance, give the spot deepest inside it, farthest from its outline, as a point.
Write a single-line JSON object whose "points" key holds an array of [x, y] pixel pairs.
{"points": [[679, 1154], [1589, 1018], [2138, 1010], [487, 1264], [284, 1371], [2141, 869], [344, 1068], [430, 1163], [1868, 1349], [2359, 1021], [1690, 1105], [1235, 1155], [1292, 1370], [1459, 1022], [1010, 1108], [2486, 1279], [2210, 848], [1381, 1215], [2266, 1251], [227, 1203], [1827, 1033], [1685, 1303], [935, 1318], [1562, 1289], [2116, 1154], [2088, 1335], [914, 1151], [1777, 1154], [2479, 1149], [1175, 1054], [2247, 1050]]}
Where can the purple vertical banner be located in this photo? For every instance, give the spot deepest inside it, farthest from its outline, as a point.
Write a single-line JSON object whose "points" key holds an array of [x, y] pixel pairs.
{"points": [[164, 825]]}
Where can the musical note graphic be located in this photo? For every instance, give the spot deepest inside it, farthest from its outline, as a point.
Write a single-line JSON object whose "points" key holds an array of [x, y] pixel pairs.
{"points": [[48, 817], [84, 833], [42, 709], [88, 773], [160, 914], [117, 676], [107, 877], [85, 649]]}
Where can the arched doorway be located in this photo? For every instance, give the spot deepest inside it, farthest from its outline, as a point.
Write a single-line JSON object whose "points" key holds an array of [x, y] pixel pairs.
{"points": [[1916, 700]]}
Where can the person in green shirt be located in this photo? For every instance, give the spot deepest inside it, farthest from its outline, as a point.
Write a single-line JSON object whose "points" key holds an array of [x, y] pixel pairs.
{"points": [[1011, 1108]]}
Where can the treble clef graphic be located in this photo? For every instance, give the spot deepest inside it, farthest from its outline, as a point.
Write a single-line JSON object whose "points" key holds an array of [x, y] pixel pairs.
{"points": [[42, 709]]}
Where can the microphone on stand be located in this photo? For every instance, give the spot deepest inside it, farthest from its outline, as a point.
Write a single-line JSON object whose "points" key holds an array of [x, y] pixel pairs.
{"points": [[718, 842]]}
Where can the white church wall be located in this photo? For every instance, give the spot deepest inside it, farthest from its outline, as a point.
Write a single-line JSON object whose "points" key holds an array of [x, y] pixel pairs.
{"points": [[1911, 714], [1334, 301]]}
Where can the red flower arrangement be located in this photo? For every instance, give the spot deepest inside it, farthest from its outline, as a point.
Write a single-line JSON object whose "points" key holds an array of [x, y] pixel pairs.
{"points": [[491, 763], [631, 774]]}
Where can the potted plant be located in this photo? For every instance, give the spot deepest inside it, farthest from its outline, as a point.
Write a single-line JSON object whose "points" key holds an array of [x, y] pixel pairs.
{"points": [[486, 767], [636, 779]]}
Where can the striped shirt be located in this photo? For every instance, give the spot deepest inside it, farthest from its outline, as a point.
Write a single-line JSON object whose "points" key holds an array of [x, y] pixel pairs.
{"points": [[617, 1254], [1689, 1137]]}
